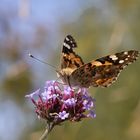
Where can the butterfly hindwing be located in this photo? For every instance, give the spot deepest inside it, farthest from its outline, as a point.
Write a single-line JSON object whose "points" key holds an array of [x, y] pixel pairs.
{"points": [[69, 58], [103, 71]]}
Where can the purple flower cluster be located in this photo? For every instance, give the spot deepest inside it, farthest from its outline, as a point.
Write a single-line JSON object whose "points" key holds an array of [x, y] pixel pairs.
{"points": [[58, 103]]}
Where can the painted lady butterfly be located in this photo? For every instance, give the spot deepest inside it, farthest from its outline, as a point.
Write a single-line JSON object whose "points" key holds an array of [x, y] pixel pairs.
{"points": [[101, 72]]}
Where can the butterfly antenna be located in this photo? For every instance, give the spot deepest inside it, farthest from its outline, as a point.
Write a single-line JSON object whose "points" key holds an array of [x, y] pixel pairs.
{"points": [[32, 56]]}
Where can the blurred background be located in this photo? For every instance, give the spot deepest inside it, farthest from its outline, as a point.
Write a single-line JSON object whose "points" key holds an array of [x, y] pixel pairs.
{"points": [[100, 27]]}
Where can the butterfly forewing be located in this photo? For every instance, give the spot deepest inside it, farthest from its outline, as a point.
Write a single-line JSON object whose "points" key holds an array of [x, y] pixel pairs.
{"points": [[69, 58], [103, 71]]}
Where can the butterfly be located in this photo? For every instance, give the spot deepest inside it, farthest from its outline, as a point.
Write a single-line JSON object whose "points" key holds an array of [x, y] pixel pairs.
{"points": [[101, 72]]}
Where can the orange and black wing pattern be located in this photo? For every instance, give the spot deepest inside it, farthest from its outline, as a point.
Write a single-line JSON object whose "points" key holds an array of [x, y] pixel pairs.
{"points": [[69, 58], [103, 71]]}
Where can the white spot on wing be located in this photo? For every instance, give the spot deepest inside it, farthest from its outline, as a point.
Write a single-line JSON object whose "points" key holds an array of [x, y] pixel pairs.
{"points": [[126, 53], [66, 45], [126, 59], [124, 66], [67, 38], [113, 57], [121, 61], [73, 45]]}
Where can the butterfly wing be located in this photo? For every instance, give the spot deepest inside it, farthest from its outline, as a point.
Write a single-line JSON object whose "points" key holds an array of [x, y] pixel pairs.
{"points": [[103, 71], [69, 58]]}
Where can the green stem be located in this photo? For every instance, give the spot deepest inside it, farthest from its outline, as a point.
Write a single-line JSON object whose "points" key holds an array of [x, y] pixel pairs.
{"points": [[47, 131]]}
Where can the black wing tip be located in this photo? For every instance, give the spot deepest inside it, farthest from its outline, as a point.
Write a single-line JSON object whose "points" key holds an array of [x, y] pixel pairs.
{"points": [[69, 42], [69, 35], [135, 53]]}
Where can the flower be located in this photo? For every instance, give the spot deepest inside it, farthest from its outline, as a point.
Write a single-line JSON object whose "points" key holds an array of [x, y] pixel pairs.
{"points": [[58, 103], [63, 115]]}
